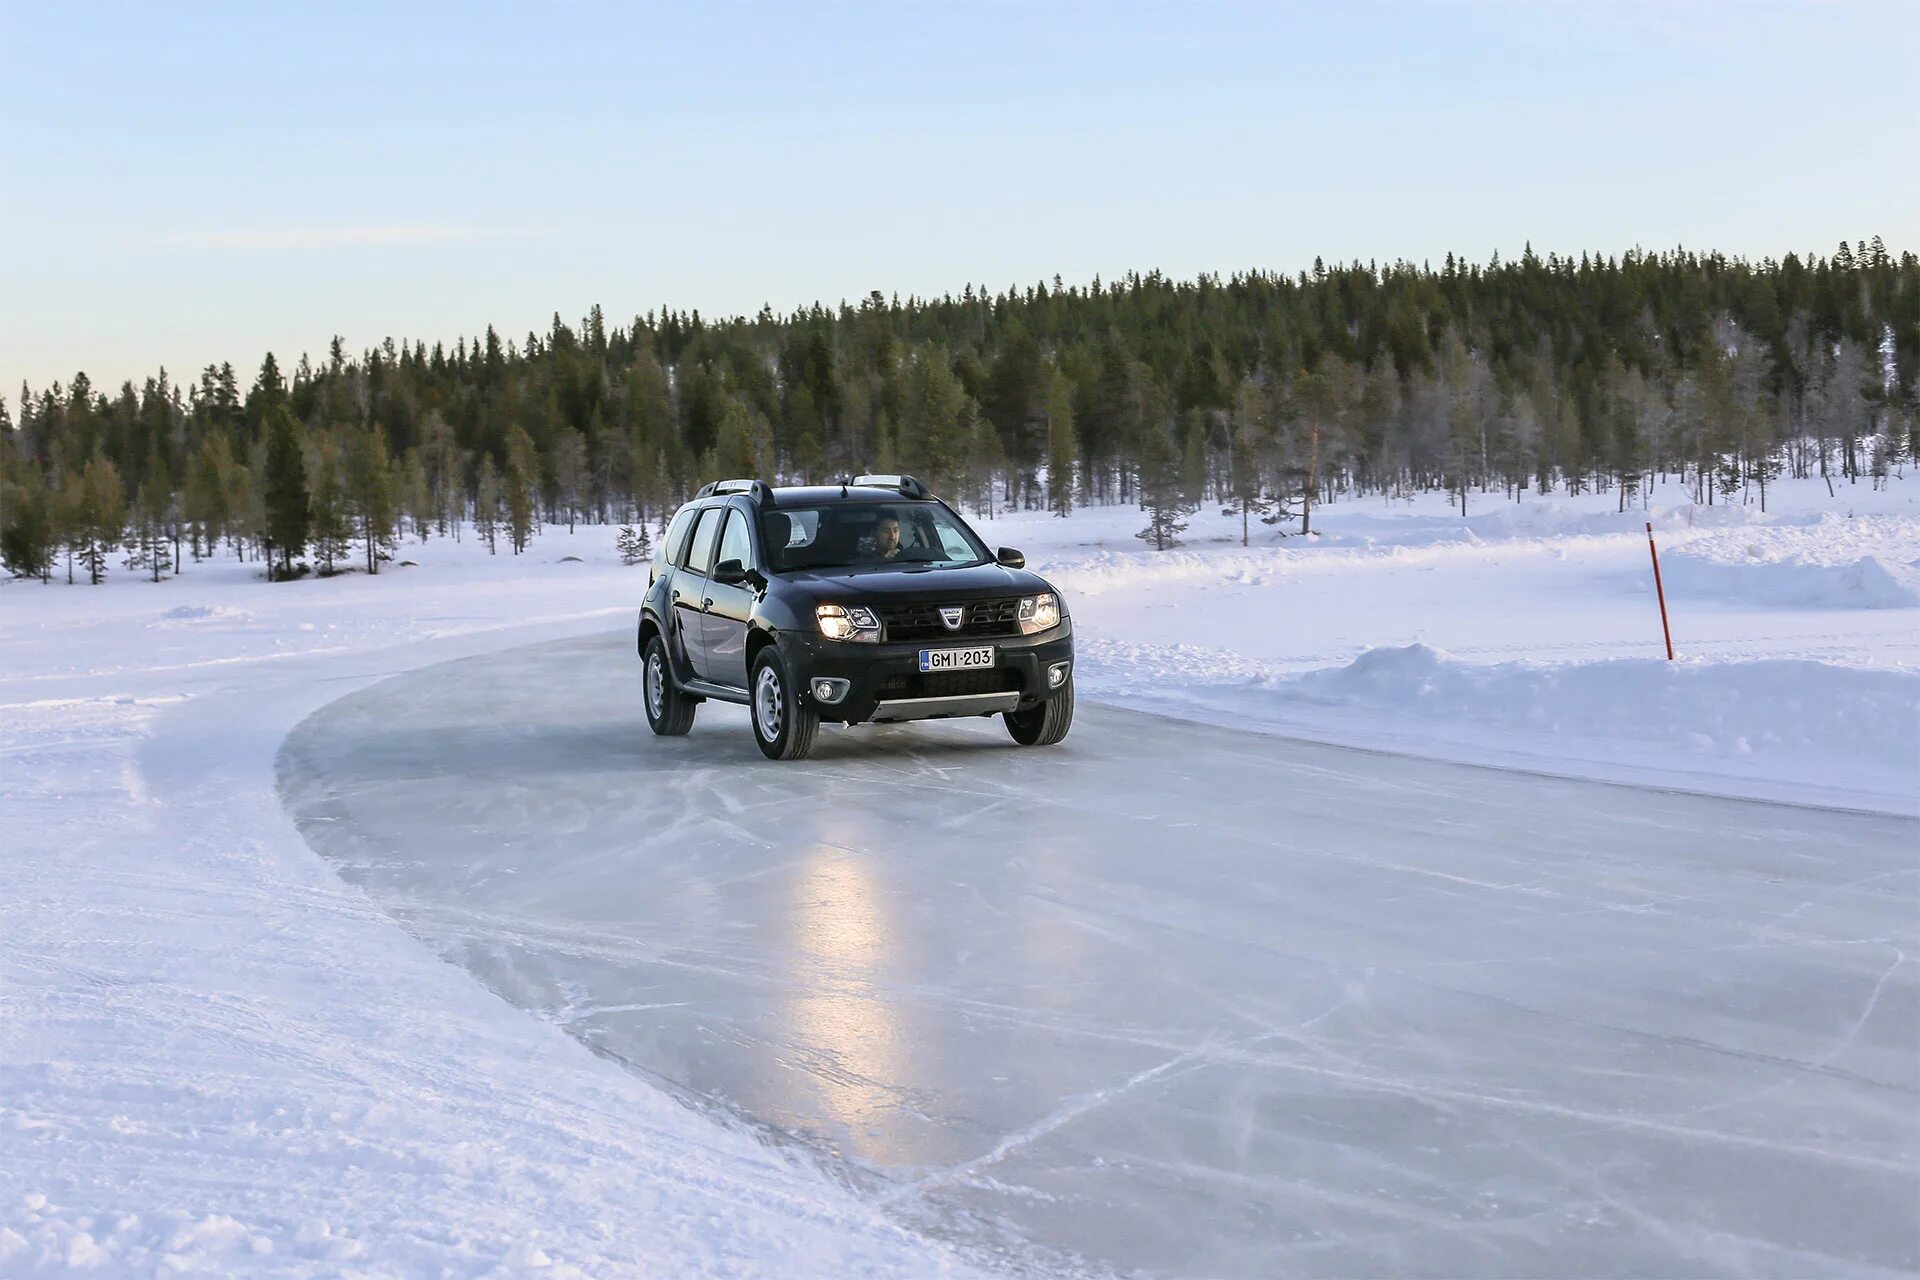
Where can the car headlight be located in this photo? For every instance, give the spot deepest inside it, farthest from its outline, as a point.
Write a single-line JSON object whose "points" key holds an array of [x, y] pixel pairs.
{"points": [[1039, 613], [838, 622]]}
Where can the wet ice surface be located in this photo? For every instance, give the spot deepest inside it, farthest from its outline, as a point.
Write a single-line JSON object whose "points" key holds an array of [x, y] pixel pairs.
{"points": [[1173, 999]]}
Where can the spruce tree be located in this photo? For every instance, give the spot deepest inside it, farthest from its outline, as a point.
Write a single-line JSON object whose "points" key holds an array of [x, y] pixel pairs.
{"points": [[101, 517], [415, 496], [148, 539], [1060, 444], [206, 496], [1193, 458], [369, 492], [330, 520], [633, 544], [1244, 489], [569, 467], [1162, 492], [521, 489], [486, 504], [27, 535], [287, 502]]}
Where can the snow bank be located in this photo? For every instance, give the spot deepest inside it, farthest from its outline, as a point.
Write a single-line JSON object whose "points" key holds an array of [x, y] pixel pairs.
{"points": [[1777, 728], [1831, 563], [1855, 718], [1796, 582]]}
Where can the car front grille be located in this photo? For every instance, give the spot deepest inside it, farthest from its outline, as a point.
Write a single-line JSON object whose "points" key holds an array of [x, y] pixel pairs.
{"points": [[922, 621], [949, 684]]}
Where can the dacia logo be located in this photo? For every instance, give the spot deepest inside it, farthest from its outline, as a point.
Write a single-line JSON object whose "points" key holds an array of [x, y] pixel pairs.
{"points": [[952, 615]]}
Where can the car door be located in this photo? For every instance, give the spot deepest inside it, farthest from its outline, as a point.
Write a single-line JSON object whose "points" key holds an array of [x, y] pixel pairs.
{"points": [[728, 607], [689, 591]]}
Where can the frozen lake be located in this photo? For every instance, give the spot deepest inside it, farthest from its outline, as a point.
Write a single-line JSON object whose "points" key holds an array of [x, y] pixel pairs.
{"points": [[1172, 999]]}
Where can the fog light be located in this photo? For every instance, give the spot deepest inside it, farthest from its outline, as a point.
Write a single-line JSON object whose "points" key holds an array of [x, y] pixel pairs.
{"points": [[1057, 674], [829, 690]]}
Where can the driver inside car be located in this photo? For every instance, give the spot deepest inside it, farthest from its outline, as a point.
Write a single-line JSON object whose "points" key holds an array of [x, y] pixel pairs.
{"points": [[886, 536]]}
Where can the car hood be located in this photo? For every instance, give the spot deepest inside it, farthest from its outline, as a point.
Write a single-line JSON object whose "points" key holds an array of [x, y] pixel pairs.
{"points": [[870, 585]]}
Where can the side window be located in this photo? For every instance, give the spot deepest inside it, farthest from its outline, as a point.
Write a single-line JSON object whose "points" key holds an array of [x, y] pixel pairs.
{"points": [[700, 558], [670, 546], [735, 544]]}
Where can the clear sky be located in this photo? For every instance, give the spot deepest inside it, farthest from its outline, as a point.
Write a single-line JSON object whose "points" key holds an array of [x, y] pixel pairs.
{"points": [[186, 184]]}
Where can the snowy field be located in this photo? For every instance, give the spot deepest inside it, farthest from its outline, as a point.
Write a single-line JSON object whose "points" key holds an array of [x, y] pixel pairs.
{"points": [[218, 1056]]}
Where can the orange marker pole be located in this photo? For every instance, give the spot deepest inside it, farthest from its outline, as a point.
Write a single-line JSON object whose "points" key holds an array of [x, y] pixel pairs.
{"points": [[1660, 591]]}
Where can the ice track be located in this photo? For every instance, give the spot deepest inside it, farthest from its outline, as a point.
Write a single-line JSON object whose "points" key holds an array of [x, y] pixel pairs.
{"points": [[1172, 999]]}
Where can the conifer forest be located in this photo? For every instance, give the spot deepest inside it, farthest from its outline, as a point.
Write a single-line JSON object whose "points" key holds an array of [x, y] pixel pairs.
{"points": [[1260, 393]]}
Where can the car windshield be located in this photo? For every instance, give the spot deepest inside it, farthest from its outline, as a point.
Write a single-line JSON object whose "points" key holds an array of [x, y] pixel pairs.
{"points": [[868, 535]]}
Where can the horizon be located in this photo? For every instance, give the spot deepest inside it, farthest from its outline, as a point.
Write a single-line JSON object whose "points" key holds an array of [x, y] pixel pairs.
{"points": [[210, 187], [185, 377]]}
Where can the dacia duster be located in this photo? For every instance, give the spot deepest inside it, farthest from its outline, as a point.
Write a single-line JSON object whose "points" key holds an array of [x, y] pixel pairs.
{"points": [[866, 601]]}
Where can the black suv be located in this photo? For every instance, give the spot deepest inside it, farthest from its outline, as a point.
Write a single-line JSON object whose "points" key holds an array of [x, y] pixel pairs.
{"points": [[871, 600]]}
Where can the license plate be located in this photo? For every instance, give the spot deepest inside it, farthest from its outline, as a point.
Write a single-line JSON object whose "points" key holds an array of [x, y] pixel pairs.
{"points": [[956, 659]]}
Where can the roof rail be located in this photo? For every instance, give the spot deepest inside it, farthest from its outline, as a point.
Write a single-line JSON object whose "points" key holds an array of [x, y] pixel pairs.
{"points": [[759, 490], [907, 485]]}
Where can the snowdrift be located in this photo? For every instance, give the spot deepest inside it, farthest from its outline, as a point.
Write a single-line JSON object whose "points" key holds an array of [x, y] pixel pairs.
{"points": [[1851, 716], [1789, 729]]}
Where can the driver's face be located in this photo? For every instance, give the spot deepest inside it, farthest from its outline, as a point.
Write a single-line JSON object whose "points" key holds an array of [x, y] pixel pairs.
{"points": [[886, 535]]}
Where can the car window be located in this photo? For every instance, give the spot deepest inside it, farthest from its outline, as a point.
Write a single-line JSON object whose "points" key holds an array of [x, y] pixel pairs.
{"points": [[735, 543], [867, 535], [953, 542], [676, 539], [700, 556]]}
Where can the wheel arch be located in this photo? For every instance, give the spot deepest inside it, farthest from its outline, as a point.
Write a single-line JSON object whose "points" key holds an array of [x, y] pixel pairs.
{"points": [[649, 628], [758, 638]]}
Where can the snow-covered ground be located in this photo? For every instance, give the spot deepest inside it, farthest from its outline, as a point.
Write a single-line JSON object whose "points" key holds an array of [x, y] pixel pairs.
{"points": [[215, 1055], [1529, 635]]}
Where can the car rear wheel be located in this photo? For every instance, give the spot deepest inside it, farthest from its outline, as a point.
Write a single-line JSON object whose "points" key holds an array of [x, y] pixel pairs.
{"points": [[669, 711], [782, 726], [1046, 724]]}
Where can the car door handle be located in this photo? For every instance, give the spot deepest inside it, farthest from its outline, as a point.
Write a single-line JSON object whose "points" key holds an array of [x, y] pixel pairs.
{"points": [[707, 603]]}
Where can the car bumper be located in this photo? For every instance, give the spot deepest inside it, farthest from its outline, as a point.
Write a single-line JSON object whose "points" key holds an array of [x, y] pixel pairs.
{"points": [[884, 681]]}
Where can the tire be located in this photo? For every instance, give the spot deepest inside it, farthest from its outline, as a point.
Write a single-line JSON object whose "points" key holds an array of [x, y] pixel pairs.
{"points": [[1046, 724], [669, 711], [782, 726]]}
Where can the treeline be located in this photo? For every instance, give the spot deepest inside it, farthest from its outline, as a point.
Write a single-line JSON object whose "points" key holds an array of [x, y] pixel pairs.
{"points": [[1264, 393]]}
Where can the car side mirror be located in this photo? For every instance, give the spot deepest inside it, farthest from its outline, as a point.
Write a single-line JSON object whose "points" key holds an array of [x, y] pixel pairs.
{"points": [[730, 573], [1008, 558]]}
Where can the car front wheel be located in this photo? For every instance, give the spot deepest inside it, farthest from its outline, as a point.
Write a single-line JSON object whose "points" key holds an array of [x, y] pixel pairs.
{"points": [[1046, 724], [783, 727], [669, 711]]}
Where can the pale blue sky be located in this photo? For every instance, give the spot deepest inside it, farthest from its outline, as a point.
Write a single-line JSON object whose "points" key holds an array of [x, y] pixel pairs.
{"points": [[212, 181]]}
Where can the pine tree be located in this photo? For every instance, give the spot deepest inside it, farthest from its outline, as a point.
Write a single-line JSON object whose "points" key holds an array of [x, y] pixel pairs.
{"points": [[521, 488], [1060, 444], [101, 516], [288, 520], [369, 492], [331, 522], [207, 493], [569, 469], [486, 504], [743, 446], [1162, 492], [1193, 458], [148, 538], [1315, 399], [1245, 491], [27, 534], [415, 496]]}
